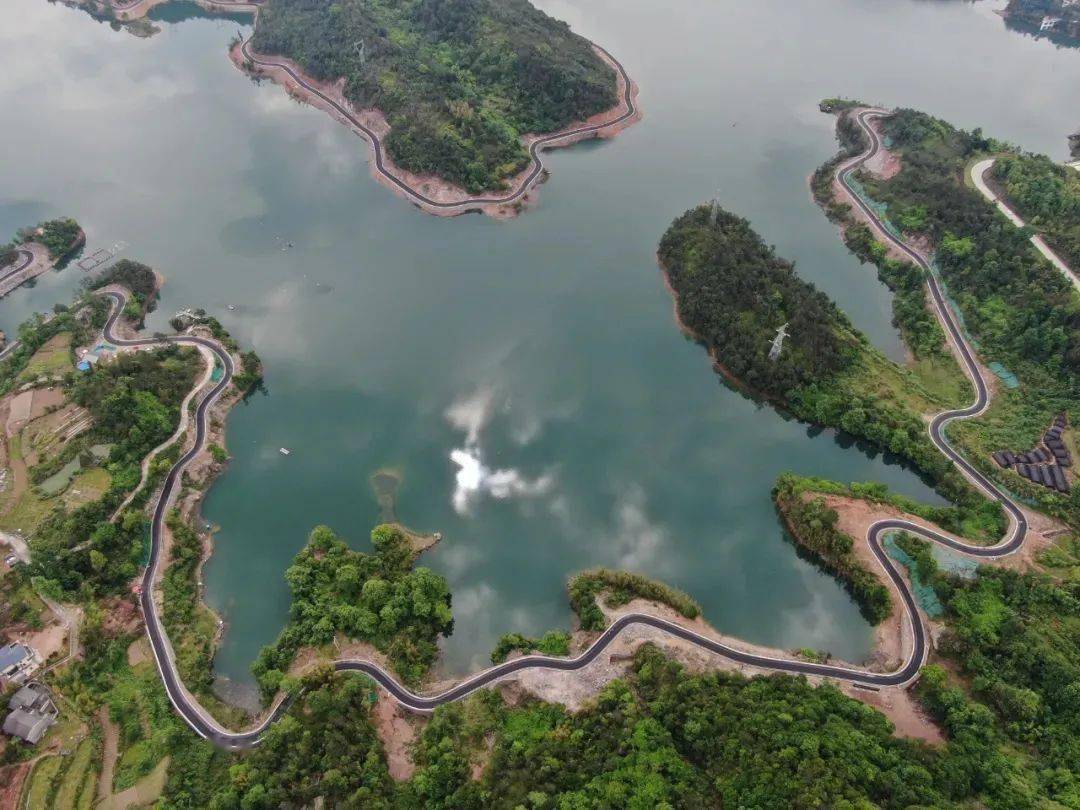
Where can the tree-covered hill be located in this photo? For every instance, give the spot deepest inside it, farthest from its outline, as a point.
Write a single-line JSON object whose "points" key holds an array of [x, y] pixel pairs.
{"points": [[459, 80], [734, 292]]}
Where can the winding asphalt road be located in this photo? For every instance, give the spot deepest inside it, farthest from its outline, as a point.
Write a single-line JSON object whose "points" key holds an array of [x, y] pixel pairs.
{"points": [[17, 267], [206, 726], [417, 196], [535, 148], [27, 258]]}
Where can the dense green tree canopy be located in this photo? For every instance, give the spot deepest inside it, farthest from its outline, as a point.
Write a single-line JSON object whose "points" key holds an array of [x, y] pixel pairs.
{"points": [[1047, 196], [459, 80], [376, 597], [1022, 310], [734, 292]]}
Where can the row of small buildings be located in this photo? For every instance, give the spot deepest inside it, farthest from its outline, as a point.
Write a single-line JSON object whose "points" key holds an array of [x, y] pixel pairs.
{"points": [[33, 713], [1045, 464], [32, 708]]}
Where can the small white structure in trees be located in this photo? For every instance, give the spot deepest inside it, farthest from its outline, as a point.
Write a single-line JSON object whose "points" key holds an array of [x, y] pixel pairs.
{"points": [[778, 342]]}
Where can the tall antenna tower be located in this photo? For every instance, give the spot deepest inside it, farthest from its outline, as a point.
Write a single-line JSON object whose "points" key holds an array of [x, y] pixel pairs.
{"points": [[714, 205], [778, 342]]}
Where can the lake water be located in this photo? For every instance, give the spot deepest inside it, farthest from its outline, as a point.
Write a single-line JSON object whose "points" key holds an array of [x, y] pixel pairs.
{"points": [[540, 353]]}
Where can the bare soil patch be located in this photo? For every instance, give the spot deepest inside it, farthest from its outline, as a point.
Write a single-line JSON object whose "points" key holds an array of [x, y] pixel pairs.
{"points": [[138, 652], [12, 779], [49, 641], [398, 733], [886, 163]]}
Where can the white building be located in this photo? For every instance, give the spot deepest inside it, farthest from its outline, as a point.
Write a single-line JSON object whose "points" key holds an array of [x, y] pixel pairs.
{"points": [[18, 662]]}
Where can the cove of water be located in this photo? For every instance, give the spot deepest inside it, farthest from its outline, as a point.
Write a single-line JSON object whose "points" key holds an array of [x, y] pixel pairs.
{"points": [[541, 350]]}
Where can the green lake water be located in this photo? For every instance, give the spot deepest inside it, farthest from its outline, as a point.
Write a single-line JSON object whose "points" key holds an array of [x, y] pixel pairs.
{"points": [[525, 378]]}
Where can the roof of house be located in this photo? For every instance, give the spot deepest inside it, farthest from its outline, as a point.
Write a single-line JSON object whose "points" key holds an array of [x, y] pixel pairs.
{"points": [[32, 696], [12, 654], [30, 726]]}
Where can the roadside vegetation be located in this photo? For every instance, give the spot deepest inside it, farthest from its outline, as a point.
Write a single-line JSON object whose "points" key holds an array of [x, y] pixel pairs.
{"points": [[658, 737], [379, 598], [617, 589], [812, 524], [1019, 310], [733, 293], [1047, 196], [460, 81], [553, 642]]}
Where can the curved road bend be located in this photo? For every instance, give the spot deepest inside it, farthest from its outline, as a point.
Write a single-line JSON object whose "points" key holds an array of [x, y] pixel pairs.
{"points": [[535, 148], [206, 726], [27, 258], [417, 196], [17, 267]]}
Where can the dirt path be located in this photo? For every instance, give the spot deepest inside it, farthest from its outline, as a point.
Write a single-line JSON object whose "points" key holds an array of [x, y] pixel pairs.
{"points": [[109, 756]]}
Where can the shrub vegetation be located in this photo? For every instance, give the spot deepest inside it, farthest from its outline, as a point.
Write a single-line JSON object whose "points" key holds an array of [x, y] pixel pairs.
{"points": [[379, 598], [460, 81]]}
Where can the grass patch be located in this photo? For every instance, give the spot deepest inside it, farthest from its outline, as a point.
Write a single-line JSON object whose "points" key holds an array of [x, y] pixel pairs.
{"points": [[147, 790], [87, 486], [137, 761], [943, 380], [41, 783], [30, 510], [51, 360], [78, 771], [621, 587], [1062, 559], [553, 642]]}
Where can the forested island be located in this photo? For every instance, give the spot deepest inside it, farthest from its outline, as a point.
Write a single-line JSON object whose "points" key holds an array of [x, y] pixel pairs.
{"points": [[460, 81], [1058, 19]]}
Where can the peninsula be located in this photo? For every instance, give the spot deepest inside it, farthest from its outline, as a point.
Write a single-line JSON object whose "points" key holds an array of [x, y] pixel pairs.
{"points": [[36, 249], [458, 98], [915, 211]]}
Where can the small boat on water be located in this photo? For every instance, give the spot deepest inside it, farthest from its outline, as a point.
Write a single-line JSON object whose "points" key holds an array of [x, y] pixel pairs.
{"points": [[284, 451]]}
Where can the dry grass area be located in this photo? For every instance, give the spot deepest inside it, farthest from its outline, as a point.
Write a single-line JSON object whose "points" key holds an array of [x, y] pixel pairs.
{"points": [[143, 793], [51, 360], [87, 486]]}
